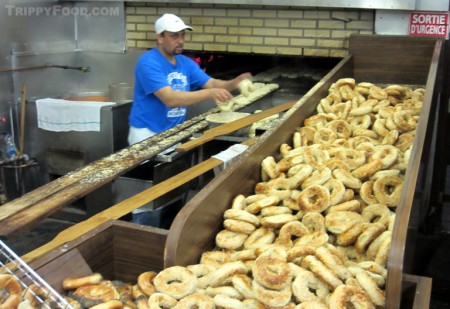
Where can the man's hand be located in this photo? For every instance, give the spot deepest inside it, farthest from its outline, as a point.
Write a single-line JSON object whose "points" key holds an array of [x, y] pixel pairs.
{"points": [[240, 78], [220, 96]]}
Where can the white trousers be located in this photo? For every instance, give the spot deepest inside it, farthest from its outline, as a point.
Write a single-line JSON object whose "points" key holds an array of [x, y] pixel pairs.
{"points": [[136, 135]]}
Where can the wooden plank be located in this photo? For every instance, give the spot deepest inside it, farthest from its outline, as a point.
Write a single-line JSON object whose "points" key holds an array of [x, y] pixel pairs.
{"points": [[119, 250], [397, 259], [137, 250], [72, 262], [119, 162], [119, 210], [422, 295], [23, 212], [391, 58], [230, 127]]}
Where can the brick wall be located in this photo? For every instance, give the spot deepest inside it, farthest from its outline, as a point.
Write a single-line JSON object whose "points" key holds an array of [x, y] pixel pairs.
{"points": [[253, 29]]}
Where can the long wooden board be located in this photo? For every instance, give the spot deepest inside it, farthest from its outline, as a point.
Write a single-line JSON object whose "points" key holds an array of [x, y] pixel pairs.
{"points": [[42, 202], [119, 210], [230, 127]]}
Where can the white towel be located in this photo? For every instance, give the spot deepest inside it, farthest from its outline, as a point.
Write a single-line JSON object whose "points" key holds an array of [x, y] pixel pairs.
{"points": [[63, 115], [229, 155]]}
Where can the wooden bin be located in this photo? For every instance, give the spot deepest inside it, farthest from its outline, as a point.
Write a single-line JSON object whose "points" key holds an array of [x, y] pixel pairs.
{"points": [[376, 59], [118, 250]]}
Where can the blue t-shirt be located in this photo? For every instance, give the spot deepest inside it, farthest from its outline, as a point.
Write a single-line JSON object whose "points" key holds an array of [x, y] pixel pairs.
{"points": [[153, 72]]}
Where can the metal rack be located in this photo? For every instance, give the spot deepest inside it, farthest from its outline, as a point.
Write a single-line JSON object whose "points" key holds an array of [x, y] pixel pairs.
{"points": [[42, 293]]}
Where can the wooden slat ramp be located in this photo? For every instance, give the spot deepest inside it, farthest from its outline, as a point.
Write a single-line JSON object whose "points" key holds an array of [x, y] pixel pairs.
{"points": [[23, 212], [119, 210]]}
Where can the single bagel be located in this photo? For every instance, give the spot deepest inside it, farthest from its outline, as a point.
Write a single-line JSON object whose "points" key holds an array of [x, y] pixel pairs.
{"points": [[352, 205], [372, 231], [387, 154], [347, 179], [336, 189], [316, 240], [391, 138], [377, 213], [266, 201], [260, 237], [272, 298], [277, 221], [366, 193], [243, 284], [227, 239], [365, 171], [350, 236], [340, 221], [324, 136], [145, 282], [201, 270], [239, 226], [227, 290], [314, 222], [161, 300], [12, 291], [307, 287], [341, 128], [275, 210], [375, 245], [318, 177], [110, 304], [327, 275], [388, 189], [245, 87], [215, 258], [290, 230], [333, 261], [91, 295], [195, 300], [315, 198], [375, 294], [175, 281], [225, 301], [272, 271], [346, 296], [75, 282], [223, 275]]}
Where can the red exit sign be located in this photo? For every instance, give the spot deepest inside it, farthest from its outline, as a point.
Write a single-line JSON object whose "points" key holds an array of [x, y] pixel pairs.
{"points": [[429, 24]]}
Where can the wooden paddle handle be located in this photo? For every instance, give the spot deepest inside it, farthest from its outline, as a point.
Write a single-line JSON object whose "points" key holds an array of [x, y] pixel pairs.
{"points": [[22, 119], [233, 126]]}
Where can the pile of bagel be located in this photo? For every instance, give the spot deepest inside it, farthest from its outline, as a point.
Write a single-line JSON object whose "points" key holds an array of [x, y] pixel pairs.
{"points": [[316, 232]]}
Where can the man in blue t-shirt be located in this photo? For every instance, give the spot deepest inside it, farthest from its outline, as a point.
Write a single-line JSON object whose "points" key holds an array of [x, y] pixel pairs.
{"points": [[167, 82]]}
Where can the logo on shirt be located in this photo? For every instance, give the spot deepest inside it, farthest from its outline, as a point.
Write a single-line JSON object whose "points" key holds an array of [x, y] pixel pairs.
{"points": [[178, 81], [176, 112]]}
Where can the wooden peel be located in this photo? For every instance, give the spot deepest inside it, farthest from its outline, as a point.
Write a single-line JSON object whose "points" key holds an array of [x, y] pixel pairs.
{"points": [[126, 206], [22, 118], [230, 127]]}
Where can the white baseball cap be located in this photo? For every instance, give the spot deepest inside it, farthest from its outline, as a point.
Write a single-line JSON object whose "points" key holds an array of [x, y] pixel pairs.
{"points": [[170, 22]]}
